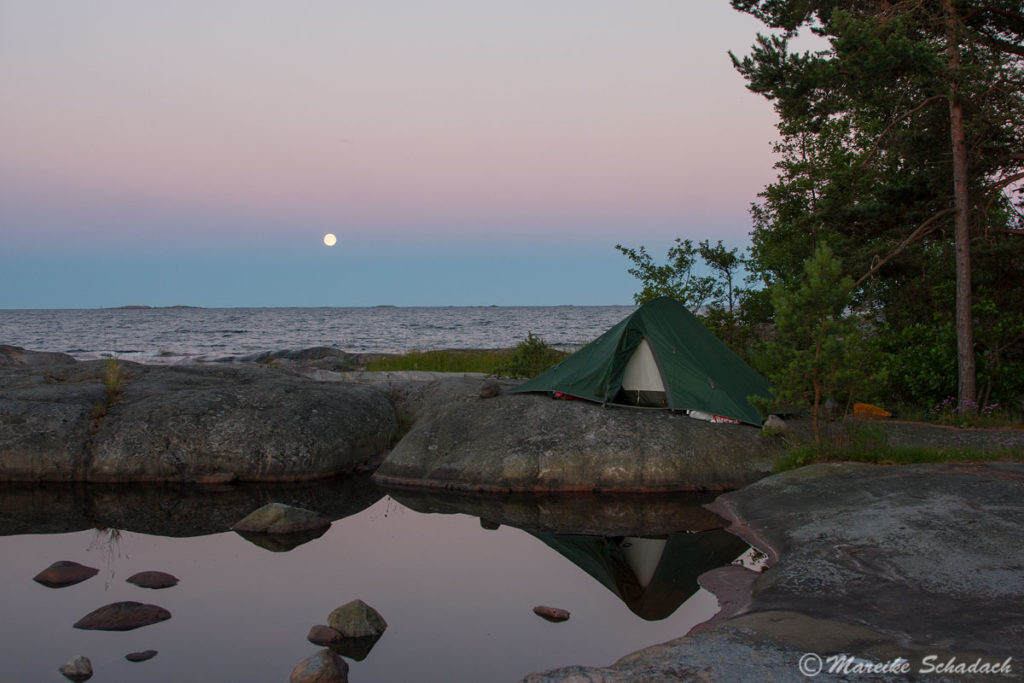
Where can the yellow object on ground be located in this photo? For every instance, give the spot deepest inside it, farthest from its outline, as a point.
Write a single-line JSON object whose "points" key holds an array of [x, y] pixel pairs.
{"points": [[869, 411]]}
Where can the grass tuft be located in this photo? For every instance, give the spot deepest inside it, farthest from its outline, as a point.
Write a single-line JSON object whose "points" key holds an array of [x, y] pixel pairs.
{"points": [[112, 379]]}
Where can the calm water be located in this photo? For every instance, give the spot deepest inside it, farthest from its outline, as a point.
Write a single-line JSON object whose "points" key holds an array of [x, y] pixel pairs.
{"points": [[169, 335], [456, 581]]}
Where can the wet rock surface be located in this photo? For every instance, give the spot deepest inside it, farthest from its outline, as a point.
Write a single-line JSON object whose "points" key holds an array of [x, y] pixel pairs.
{"points": [[875, 562], [122, 616], [64, 573]]}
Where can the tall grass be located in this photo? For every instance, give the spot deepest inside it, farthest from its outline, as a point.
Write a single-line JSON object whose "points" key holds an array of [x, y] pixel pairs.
{"points": [[895, 455], [452, 360], [868, 443], [528, 359]]}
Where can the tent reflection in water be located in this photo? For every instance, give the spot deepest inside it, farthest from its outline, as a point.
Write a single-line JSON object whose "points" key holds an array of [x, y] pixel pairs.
{"points": [[660, 355], [653, 576]]}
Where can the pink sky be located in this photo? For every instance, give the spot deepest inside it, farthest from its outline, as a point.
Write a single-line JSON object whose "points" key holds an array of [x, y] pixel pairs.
{"points": [[265, 124]]}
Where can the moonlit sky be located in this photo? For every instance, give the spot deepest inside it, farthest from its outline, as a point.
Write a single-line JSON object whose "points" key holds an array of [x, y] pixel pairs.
{"points": [[464, 152]]}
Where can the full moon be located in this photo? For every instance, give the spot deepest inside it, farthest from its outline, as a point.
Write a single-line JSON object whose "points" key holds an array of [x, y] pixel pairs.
{"points": [[330, 240]]}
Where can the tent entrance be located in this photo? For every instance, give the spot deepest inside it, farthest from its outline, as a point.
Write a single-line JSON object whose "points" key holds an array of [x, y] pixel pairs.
{"points": [[641, 380]]}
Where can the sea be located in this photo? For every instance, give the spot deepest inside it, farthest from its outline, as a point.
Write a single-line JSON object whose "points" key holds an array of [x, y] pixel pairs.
{"points": [[191, 335]]}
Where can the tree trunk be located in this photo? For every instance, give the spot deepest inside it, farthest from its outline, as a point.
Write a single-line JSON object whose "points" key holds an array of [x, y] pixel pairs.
{"points": [[967, 380]]}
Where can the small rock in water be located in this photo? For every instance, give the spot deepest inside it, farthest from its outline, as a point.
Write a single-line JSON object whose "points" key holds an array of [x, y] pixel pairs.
{"points": [[77, 668], [324, 635], [356, 619], [323, 667], [140, 656], [356, 649], [64, 573], [551, 613], [278, 518], [122, 616], [153, 580]]}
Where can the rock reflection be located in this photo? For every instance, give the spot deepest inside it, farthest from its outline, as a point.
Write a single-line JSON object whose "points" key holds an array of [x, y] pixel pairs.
{"points": [[647, 551], [176, 511], [653, 576], [655, 515], [282, 543]]}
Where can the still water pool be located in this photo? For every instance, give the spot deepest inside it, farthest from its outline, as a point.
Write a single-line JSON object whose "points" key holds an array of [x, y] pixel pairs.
{"points": [[455, 578]]}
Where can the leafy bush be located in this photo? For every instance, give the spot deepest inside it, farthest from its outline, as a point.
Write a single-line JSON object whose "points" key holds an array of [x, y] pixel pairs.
{"points": [[531, 357]]}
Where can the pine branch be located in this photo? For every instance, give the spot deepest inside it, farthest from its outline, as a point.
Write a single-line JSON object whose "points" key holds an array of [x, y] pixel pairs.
{"points": [[922, 230], [905, 115]]}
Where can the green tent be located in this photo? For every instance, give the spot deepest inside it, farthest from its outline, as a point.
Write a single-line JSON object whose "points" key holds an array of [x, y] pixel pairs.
{"points": [[660, 355]]}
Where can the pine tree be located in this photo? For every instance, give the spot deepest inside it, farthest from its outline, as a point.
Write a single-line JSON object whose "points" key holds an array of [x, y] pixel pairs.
{"points": [[819, 348], [903, 145]]}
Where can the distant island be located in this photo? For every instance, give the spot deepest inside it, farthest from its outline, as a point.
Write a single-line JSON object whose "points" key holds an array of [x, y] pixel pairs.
{"points": [[143, 307]]}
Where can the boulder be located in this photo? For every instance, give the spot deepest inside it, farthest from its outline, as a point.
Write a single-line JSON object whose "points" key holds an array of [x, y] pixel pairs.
{"points": [[189, 423], [356, 619], [64, 573], [122, 616], [555, 614], [153, 579], [278, 518], [323, 667], [530, 443], [77, 669], [490, 388], [194, 423]]}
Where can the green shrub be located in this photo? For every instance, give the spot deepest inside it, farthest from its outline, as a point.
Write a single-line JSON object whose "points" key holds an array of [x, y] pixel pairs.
{"points": [[531, 357]]}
